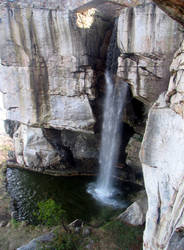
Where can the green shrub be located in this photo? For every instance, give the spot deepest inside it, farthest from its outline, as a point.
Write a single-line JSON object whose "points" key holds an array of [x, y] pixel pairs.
{"points": [[67, 241], [50, 213]]}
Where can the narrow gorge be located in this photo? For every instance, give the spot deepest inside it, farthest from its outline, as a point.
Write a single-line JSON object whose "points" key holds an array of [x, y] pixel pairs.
{"points": [[53, 59]]}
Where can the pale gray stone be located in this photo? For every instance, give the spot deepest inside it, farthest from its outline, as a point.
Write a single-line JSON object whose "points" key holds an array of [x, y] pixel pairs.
{"points": [[177, 241], [46, 69], [163, 167], [37, 243], [32, 149], [147, 38], [175, 93], [135, 214]]}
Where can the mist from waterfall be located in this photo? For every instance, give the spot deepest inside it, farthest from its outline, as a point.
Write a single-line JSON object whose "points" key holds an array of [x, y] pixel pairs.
{"points": [[115, 97]]}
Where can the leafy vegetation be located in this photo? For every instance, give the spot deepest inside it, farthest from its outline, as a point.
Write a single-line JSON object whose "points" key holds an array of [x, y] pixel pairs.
{"points": [[50, 213], [67, 241]]}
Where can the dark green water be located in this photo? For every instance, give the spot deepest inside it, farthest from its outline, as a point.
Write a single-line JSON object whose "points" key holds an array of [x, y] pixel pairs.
{"points": [[27, 189]]}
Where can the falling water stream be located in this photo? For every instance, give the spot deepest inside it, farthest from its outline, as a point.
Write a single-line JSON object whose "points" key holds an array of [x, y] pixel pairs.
{"points": [[115, 96]]}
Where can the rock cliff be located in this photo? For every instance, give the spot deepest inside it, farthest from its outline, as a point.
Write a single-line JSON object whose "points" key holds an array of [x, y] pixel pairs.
{"points": [[49, 71], [174, 8], [147, 38], [162, 158], [49, 64], [52, 63]]}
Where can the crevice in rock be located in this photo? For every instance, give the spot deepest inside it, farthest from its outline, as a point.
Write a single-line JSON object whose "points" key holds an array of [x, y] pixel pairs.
{"points": [[39, 79], [53, 136], [11, 127], [78, 151]]}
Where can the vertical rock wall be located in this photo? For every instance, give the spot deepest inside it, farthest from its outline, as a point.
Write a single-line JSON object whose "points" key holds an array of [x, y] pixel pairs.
{"points": [[163, 164], [148, 39], [48, 71], [48, 63]]}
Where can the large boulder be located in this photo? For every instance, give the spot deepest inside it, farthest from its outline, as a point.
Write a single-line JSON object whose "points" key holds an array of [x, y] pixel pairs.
{"points": [[40, 242], [135, 214], [33, 150]]}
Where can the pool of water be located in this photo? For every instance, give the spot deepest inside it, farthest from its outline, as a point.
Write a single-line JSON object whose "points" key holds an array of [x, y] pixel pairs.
{"points": [[27, 189]]}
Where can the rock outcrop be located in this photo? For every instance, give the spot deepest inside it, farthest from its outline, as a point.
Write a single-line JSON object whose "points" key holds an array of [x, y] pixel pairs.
{"points": [[48, 63], [49, 69], [52, 62], [173, 8], [52, 70], [135, 214], [148, 39], [175, 93], [163, 167], [33, 150], [37, 243]]}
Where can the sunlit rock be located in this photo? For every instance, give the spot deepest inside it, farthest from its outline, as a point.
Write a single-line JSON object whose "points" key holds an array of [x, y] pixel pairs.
{"points": [[33, 150], [85, 19], [147, 38], [163, 167], [135, 214], [47, 65]]}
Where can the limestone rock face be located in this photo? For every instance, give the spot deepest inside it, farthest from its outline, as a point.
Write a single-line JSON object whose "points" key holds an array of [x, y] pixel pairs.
{"points": [[175, 93], [147, 38], [163, 168], [33, 150], [47, 65], [56, 152], [173, 8]]}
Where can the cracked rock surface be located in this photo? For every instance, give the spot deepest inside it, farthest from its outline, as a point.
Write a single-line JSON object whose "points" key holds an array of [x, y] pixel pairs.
{"points": [[163, 167]]}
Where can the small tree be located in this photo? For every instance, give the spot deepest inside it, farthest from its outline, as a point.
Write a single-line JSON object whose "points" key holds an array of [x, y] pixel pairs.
{"points": [[51, 214]]}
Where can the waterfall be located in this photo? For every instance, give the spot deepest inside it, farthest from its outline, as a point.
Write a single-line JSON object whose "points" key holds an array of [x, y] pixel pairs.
{"points": [[111, 134], [115, 95]]}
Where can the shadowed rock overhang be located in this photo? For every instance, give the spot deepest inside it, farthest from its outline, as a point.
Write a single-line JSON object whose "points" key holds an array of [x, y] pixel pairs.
{"points": [[174, 8]]}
